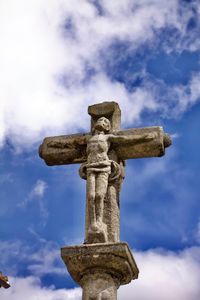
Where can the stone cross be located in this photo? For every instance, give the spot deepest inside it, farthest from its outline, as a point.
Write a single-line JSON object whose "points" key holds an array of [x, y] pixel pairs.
{"points": [[103, 263]]}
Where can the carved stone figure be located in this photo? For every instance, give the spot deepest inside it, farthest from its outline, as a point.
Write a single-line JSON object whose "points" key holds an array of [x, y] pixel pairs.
{"points": [[97, 170]]}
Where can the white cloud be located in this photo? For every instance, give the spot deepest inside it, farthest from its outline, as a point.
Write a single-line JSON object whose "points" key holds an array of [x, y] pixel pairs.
{"points": [[165, 275], [30, 288], [38, 53]]}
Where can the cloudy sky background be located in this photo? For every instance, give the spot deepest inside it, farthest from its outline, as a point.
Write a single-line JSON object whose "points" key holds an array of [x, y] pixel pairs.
{"points": [[56, 58]]}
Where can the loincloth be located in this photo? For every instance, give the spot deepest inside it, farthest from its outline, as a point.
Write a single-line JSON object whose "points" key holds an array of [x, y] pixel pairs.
{"points": [[110, 167], [99, 167]]}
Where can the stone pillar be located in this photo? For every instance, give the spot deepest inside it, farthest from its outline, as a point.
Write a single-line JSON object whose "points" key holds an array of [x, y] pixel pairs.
{"points": [[99, 285], [100, 268]]}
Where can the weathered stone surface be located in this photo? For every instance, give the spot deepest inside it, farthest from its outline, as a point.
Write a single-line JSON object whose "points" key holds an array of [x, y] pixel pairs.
{"points": [[64, 149], [115, 259], [112, 210], [71, 149], [110, 213], [98, 285], [152, 148]]}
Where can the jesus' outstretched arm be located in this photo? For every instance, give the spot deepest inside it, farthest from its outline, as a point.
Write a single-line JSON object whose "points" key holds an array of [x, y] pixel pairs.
{"points": [[132, 138]]}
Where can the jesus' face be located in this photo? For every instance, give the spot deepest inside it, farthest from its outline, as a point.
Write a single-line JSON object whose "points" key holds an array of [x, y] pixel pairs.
{"points": [[103, 124]]}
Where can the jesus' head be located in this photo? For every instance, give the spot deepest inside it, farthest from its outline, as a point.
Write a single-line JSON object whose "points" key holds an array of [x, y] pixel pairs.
{"points": [[103, 124]]}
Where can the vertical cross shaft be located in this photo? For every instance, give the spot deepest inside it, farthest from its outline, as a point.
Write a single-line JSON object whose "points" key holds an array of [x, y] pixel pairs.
{"points": [[103, 257], [112, 183]]}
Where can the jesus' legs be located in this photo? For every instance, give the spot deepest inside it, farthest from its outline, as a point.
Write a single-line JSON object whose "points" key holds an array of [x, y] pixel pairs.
{"points": [[100, 193], [97, 183], [91, 200]]}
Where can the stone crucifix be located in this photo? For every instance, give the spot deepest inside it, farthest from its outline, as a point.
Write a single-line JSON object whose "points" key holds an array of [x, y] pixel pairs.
{"points": [[102, 154]]}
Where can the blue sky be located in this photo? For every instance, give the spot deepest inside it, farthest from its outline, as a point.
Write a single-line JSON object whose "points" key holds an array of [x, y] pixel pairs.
{"points": [[56, 59]]}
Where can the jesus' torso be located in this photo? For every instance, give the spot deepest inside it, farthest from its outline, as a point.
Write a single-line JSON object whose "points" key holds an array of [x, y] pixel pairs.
{"points": [[97, 149]]}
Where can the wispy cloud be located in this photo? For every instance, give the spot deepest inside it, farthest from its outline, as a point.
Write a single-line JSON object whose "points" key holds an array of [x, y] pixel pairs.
{"points": [[40, 260], [38, 189], [6, 177], [46, 261], [197, 232], [14, 251], [37, 193], [184, 96]]}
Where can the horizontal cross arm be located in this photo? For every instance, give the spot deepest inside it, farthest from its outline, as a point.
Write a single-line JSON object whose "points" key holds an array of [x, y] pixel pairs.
{"points": [[152, 143], [131, 143], [65, 149]]}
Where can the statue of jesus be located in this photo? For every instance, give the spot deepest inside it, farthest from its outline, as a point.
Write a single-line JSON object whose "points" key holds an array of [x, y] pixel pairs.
{"points": [[97, 171]]}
